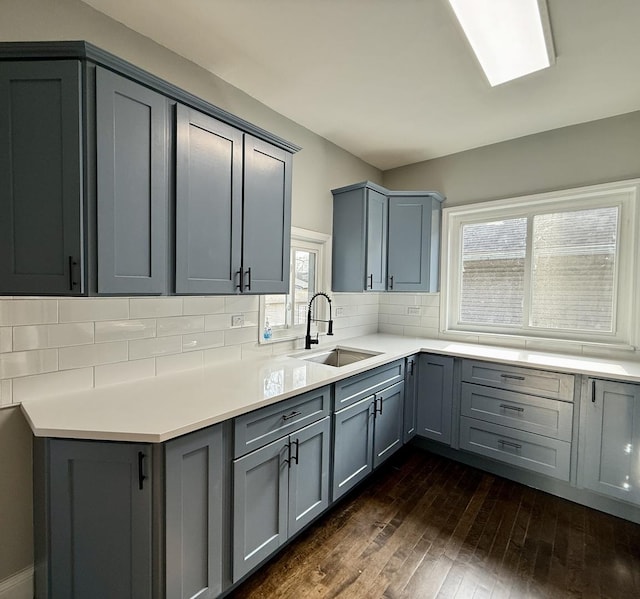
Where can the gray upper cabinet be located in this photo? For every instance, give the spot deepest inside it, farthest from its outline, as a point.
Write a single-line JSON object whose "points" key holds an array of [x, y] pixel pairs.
{"points": [[435, 397], [610, 440], [266, 231], [208, 203], [40, 178], [132, 187], [413, 242], [97, 509], [88, 179], [385, 240]]}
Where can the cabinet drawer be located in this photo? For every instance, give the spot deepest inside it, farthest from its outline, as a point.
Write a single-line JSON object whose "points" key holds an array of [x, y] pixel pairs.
{"points": [[526, 380], [355, 388], [256, 429], [540, 415], [518, 448]]}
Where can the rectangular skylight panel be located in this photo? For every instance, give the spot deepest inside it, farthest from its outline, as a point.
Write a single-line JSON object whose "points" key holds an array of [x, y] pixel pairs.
{"points": [[511, 38]]}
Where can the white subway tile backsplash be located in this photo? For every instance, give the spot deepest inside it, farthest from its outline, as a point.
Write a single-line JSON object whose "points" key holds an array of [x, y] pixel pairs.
{"points": [[202, 305], [25, 363], [123, 330], [52, 335], [217, 322], [196, 341], [87, 310], [24, 312], [239, 336], [6, 342], [93, 355], [123, 372], [179, 362], [161, 346], [236, 304], [179, 325], [155, 307], [53, 383], [6, 398]]}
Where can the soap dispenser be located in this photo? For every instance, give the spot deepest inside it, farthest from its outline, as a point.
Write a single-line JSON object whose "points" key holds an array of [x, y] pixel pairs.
{"points": [[266, 335]]}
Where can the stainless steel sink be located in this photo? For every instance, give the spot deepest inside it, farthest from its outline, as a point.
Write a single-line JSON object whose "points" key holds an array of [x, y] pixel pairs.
{"points": [[340, 356]]}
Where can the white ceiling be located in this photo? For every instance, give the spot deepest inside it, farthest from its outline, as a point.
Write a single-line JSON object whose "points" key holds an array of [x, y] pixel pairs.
{"points": [[394, 81]]}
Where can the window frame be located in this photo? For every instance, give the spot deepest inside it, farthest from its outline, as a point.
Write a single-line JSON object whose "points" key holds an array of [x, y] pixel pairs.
{"points": [[623, 194], [319, 244]]}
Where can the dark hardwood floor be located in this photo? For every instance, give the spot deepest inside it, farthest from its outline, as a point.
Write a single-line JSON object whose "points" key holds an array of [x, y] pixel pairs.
{"points": [[424, 526]]}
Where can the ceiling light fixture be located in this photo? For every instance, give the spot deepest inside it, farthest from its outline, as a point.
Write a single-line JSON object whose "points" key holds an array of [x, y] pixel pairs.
{"points": [[511, 38]]}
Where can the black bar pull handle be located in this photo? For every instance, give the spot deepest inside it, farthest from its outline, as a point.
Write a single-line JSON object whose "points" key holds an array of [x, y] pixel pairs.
{"points": [[141, 476], [509, 444], [292, 415], [297, 444], [72, 263], [513, 377], [593, 391], [240, 284], [411, 366], [505, 406], [391, 282], [248, 285], [370, 277]]}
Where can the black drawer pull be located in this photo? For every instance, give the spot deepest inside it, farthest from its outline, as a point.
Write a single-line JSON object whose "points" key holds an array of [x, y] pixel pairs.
{"points": [[509, 444], [370, 277], [593, 391], [515, 408], [513, 377], [141, 476], [293, 414]]}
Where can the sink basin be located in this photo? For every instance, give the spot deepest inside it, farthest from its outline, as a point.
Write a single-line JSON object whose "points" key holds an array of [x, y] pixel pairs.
{"points": [[340, 356]]}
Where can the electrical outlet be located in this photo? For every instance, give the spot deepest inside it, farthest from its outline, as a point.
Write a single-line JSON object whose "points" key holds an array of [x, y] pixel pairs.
{"points": [[413, 310], [339, 311], [237, 320]]}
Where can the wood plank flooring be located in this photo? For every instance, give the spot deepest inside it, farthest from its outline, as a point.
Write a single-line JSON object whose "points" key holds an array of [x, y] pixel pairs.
{"points": [[424, 526]]}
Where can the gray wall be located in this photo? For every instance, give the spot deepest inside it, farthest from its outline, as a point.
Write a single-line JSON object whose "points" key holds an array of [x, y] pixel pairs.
{"points": [[590, 153], [318, 168]]}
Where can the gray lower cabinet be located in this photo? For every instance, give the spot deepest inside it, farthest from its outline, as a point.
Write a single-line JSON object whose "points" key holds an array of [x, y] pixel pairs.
{"points": [[385, 240], [93, 520], [194, 508], [435, 397], [365, 434], [277, 490], [411, 397], [40, 178], [132, 189], [610, 440]]}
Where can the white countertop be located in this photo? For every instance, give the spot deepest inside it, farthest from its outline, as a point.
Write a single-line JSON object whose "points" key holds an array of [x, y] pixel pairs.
{"points": [[161, 408]]}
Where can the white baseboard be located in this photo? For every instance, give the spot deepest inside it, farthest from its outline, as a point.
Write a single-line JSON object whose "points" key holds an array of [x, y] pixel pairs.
{"points": [[18, 586]]}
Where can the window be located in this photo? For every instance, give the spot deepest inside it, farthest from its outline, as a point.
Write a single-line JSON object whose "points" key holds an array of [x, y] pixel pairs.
{"points": [[287, 314], [556, 266]]}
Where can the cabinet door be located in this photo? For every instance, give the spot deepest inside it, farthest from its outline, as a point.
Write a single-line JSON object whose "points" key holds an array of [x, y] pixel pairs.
{"points": [[260, 498], [40, 178], [411, 398], [353, 445], [266, 238], [413, 242], [208, 204], [309, 474], [376, 245], [388, 432], [193, 521], [132, 186], [100, 520], [611, 439], [435, 397]]}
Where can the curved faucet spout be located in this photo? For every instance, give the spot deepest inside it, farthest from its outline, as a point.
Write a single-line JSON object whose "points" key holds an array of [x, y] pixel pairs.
{"points": [[308, 341]]}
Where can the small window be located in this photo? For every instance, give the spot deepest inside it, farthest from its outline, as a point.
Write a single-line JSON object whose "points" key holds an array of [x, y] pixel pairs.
{"points": [[557, 266], [286, 315]]}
